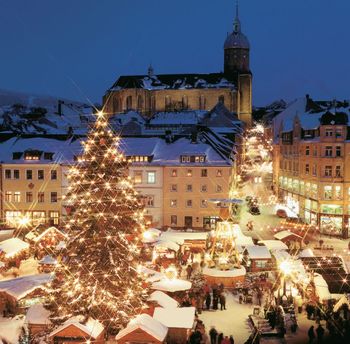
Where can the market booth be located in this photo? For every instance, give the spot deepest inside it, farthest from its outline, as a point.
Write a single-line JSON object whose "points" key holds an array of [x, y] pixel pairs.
{"points": [[12, 252], [257, 258], [20, 293], [292, 240], [91, 331], [37, 319], [143, 330], [179, 321]]}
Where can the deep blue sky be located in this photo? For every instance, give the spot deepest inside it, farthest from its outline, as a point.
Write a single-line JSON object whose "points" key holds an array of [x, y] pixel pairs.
{"points": [[77, 48]]}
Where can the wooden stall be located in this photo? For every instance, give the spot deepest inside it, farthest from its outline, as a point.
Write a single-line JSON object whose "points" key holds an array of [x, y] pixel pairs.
{"points": [[257, 259], [37, 319]]}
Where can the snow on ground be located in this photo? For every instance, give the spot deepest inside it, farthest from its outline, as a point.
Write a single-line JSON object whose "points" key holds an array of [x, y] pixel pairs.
{"points": [[232, 321], [11, 328]]}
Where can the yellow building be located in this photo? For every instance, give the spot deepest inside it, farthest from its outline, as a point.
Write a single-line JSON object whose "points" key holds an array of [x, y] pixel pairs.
{"points": [[150, 93], [311, 156], [33, 180]]}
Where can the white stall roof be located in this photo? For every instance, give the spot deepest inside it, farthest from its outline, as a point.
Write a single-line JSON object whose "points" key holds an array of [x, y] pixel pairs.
{"points": [[146, 323], [163, 299], [167, 245], [175, 317], [13, 246], [273, 245], [258, 252], [38, 315], [171, 285], [285, 234]]}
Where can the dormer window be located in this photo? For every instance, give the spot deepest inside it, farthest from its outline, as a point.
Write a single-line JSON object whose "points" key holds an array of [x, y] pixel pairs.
{"points": [[48, 156], [17, 155], [192, 158], [32, 155]]}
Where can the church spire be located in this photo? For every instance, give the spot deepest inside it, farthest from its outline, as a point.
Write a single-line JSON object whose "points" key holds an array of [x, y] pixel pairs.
{"points": [[236, 22]]}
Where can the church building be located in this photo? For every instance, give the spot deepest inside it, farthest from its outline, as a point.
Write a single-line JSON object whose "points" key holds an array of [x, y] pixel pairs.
{"points": [[151, 93]]}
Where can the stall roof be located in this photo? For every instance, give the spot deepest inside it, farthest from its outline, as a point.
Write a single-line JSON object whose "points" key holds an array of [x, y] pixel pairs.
{"points": [[171, 285], [13, 246], [306, 253], [273, 245], [22, 286], [181, 237], [321, 287], [92, 327], [48, 260], [167, 244], [163, 299], [38, 315], [224, 273], [285, 234], [258, 252], [175, 317], [344, 300], [146, 323]]}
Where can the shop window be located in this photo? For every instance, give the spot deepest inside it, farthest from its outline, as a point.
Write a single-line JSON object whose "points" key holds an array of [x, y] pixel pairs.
{"points": [[38, 217], [12, 217]]}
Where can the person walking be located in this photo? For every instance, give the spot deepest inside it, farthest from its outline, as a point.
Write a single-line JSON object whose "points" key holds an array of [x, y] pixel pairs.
{"points": [[232, 340], [213, 334], [222, 301], [208, 301], [311, 334], [220, 338], [320, 333]]}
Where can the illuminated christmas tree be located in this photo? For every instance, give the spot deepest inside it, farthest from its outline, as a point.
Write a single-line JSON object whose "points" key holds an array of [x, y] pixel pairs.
{"points": [[98, 275]]}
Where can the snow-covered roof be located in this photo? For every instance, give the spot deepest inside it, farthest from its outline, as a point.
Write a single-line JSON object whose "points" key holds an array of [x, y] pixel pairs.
{"points": [[48, 230], [225, 273], [147, 324], [181, 237], [22, 286], [321, 286], [64, 150], [274, 245], [38, 315], [13, 246], [281, 256], [150, 235], [175, 317], [48, 260], [150, 275], [285, 234], [167, 245], [344, 300], [258, 252], [171, 285], [163, 299], [306, 253], [93, 328]]}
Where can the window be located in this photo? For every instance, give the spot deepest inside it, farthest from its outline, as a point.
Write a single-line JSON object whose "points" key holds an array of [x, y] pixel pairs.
{"points": [[38, 217], [174, 173], [41, 197], [139, 103], [204, 203], [338, 171], [54, 217], [218, 188], [189, 203], [338, 132], [328, 151], [16, 155], [17, 196], [328, 171], [32, 155], [151, 177], [219, 173], [337, 192], [48, 156], [12, 217], [149, 201], [29, 196], [337, 151], [53, 197], [173, 188], [314, 170], [185, 158], [173, 203], [29, 174], [315, 151], [202, 102], [7, 174], [328, 192], [221, 99], [40, 174], [173, 220], [53, 174], [204, 188], [307, 150], [204, 172], [189, 187], [189, 173], [8, 196], [138, 177], [261, 264], [329, 132], [15, 174], [307, 168]]}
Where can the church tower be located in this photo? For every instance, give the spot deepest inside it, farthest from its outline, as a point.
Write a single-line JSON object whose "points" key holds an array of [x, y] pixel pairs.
{"points": [[236, 67]]}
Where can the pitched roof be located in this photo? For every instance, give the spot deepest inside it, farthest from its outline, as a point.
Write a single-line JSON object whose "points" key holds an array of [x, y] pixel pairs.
{"points": [[175, 317]]}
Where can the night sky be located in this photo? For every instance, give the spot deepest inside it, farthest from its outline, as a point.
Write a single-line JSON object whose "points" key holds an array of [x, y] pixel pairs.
{"points": [[77, 48]]}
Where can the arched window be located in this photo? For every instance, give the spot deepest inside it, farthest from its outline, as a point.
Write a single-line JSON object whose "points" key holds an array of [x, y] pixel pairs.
{"points": [[153, 103], [116, 105], [139, 103], [128, 102], [222, 99], [184, 102], [167, 103], [202, 102]]}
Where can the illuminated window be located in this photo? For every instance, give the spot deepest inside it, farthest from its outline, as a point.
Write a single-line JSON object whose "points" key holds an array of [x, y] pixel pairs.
{"points": [[138, 177], [54, 217], [174, 173], [338, 192], [219, 173], [328, 192], [32, 155], [29, 196], [173, 203], [8, 196], [38, 217], [12, 217], [189, 173], [40, 174], [41, 197], [151, 177], [17, 196], [204, 203]]}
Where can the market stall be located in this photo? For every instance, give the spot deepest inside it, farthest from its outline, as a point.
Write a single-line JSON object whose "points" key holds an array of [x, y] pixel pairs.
{"points": [[12, 252]]}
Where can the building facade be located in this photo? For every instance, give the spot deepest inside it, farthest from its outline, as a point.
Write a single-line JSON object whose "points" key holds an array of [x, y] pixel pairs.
{"points": [[150, 93], [311, 162]]}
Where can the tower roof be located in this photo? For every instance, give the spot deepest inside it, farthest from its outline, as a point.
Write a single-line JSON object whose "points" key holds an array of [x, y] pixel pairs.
{"points": [[236, 39]]}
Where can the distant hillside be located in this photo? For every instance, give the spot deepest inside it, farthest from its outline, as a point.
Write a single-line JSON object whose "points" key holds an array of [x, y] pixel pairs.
{"points": [[23, 113]]}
